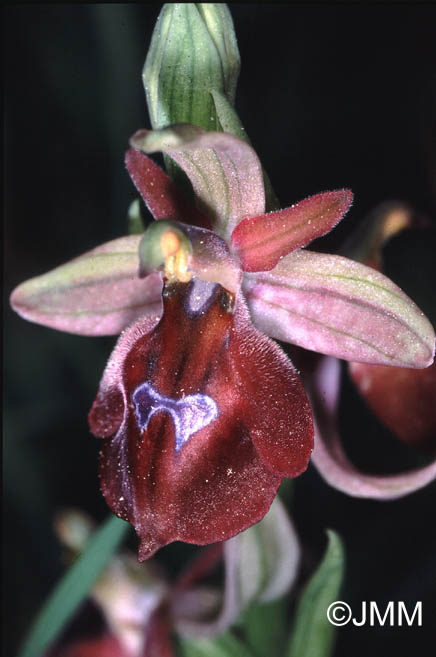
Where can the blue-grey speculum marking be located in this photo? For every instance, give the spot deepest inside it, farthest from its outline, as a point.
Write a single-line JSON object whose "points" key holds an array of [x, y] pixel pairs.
{"points": [[189, 414]]}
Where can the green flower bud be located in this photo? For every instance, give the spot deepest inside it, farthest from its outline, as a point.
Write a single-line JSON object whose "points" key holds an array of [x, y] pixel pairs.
{"points": [[193, 53], [190, 75]]}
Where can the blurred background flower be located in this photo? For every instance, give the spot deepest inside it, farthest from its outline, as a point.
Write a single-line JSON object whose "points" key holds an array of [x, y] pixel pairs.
{"points": [[141, 608]]}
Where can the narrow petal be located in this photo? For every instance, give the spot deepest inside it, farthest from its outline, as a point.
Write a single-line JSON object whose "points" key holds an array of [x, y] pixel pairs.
{"points": [[209, 416], [264, 240], [161, 196], [403, 399], [330, 459], [224, 171], [98, 293], [341, 308]]}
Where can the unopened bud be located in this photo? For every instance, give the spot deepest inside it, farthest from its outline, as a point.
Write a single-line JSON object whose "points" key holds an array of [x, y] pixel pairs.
{"points": [[193, 53]]}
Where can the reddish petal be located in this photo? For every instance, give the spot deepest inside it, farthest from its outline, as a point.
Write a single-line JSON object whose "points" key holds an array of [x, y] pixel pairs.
{"points": [[223, 418], [262, 241], [162, 197], [403, 399]]}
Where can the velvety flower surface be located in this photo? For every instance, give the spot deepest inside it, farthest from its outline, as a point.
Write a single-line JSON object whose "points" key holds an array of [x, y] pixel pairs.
{"points": [[194, 455], [201, 414]]}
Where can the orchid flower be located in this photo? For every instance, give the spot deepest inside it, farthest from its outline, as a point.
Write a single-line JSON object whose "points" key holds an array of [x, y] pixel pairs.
{"points": [[200, 412]]}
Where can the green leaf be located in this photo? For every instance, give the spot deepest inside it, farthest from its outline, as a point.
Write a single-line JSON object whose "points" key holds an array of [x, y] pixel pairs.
{"points": [[312, 634], [265, 628], [74, 587], [225, 645]]}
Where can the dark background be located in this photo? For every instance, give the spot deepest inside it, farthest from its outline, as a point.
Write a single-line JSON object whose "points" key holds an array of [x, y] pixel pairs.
{"points": [[331, 96]]}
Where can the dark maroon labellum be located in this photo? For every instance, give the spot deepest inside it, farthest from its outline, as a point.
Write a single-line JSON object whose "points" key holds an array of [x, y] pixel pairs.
{"points": [[214, 416]]}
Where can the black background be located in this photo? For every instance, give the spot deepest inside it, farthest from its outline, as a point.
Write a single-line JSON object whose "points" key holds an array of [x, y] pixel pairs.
{"points": [[332, 96]]}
